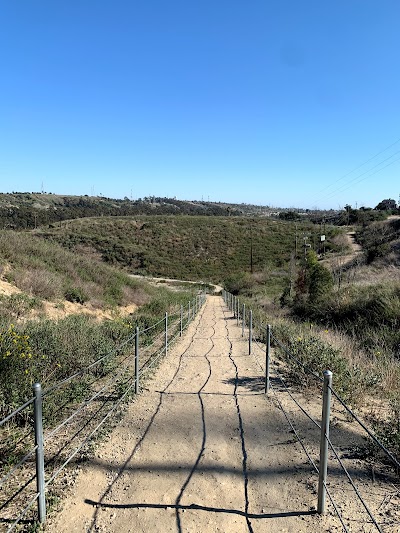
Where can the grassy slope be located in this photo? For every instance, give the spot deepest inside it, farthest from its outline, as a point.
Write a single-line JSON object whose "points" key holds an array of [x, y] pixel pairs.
{"points": [[48, 271], [182, 247], [45, 350]]}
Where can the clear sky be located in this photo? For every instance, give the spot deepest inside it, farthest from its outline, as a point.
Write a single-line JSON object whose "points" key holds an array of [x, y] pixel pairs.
{"points": [[273, 102]]}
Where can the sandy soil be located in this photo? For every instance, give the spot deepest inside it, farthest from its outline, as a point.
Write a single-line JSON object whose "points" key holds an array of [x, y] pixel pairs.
{"points": [[59, 310], [203, 449], [7, 289], [171, 282]]}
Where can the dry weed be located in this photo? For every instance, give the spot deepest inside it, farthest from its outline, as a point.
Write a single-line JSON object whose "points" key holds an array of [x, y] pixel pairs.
{"points": [[38, 282]]}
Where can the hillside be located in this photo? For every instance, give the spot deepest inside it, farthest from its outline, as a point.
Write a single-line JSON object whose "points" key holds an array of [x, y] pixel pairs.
{"points": [[30, 210], [193, 248], [61, 309]]}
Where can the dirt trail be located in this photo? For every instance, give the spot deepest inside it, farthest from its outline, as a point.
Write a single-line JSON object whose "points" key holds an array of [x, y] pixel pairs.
{"points": [[339, 261], [201, 450]]}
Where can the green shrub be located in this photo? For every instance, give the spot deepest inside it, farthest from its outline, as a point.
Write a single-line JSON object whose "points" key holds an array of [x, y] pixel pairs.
{"points": [[317, 355], [17, 363], [239, 282], [17, 305], [75, 294]]}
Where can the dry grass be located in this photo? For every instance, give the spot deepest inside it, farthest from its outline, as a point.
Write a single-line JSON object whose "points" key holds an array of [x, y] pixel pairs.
{"points": [[37, 282], [50, 272]]}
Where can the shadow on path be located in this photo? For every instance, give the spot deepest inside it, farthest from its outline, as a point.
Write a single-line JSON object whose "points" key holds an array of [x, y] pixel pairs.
{"points": [[196, 507], [123, 467]]}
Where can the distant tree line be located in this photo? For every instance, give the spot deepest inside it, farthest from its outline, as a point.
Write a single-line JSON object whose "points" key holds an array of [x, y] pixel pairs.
{"points": [[21, 213]]}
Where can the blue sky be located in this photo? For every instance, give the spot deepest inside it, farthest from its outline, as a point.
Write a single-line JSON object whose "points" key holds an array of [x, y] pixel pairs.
{"points": [[267, 102]]}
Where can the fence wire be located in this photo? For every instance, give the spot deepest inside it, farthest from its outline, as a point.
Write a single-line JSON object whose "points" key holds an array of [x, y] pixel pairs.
{"points": [[87, 368], [307, 370], [23, 513], [353, 484], [368, 431], [15, 467], [85, 404], [16, 412], [310, 459], [176, 323]]}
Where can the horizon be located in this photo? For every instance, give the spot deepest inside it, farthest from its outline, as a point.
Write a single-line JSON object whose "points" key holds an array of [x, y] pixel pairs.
{"points": [[189, 200]]}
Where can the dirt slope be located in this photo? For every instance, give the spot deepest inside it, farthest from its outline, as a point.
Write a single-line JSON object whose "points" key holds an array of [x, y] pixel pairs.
{"points": [[202, 450], [59, 310]]}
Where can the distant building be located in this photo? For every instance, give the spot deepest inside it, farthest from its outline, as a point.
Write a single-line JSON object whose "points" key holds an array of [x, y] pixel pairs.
{"points": [[386, 205]]}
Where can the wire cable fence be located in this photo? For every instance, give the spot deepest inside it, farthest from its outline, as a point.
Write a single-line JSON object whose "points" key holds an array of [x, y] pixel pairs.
{"points": [[63, 419], [260, 337]]}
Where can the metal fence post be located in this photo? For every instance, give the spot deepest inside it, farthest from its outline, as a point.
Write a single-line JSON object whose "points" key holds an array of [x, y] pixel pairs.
{"points": [[181, 326], [237, 311], [39, 443], [137, 361], [323, 453], [243, 318], [189, 313], [166, 333], [250, 330], [267, 358]]}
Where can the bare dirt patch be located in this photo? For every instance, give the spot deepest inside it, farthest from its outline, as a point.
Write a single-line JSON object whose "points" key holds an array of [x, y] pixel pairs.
{"points": [[63, 308], [7, 289]]}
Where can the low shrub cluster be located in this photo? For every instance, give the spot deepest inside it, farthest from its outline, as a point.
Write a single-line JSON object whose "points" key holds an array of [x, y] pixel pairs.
{"points": [[316, 355], [370, 315], [46, 351], [46, 270]]}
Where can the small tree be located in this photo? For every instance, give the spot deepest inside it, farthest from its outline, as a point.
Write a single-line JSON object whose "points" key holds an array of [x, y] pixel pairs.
{"points": [[314, 281]]}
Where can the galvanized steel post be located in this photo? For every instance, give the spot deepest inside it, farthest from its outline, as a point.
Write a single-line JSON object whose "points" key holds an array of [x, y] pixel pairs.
{"points": [[267, 358], [237, 311], [39, 443], [181, 326], [137, 361], [166, 333], [189, 313], [323, 453], [250, 330], [243, 318]]}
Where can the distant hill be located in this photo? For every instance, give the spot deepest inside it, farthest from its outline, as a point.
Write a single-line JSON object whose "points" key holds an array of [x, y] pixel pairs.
{"points": [[23, 210], [190, 247]]}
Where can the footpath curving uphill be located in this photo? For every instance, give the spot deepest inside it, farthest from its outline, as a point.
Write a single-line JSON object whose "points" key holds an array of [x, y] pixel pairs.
{"points": [[202, 449]]}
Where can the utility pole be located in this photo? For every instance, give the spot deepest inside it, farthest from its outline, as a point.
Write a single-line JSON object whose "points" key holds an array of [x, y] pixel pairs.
{"points": [[251, 248]]}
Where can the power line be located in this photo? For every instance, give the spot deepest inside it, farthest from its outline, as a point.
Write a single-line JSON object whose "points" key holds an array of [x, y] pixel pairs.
{"points": [[356, 168], [366, 177]]}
